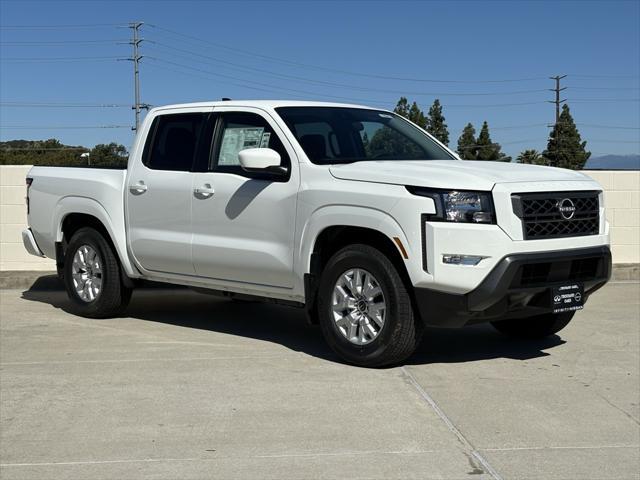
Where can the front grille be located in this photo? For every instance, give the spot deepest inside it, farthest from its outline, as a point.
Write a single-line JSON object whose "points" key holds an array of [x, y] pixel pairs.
{"points": [[557, 214]]}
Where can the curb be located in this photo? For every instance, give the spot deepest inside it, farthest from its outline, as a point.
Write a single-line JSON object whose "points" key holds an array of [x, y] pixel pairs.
{"points": [[47, 280]]}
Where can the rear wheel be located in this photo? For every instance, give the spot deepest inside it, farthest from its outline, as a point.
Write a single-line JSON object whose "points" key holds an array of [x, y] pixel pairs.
{"points": [[364, 309], [92, 276], [539, 326]]}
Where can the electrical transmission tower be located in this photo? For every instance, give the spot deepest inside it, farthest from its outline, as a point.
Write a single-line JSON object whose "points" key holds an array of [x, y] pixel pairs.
{"points": [[557, 90], [135, 58]]}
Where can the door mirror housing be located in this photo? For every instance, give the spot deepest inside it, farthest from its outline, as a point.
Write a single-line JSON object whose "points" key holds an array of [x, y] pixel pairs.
{"points": [[261, 160]]}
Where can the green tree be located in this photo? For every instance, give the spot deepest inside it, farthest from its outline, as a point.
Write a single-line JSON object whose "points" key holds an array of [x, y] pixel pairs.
{"points": [[467, 143], [109, 155], [436, 125], [402, 107], [416, 116], [388, 143], [49, 152], [488, 150], [565, 148], [532, 157]]}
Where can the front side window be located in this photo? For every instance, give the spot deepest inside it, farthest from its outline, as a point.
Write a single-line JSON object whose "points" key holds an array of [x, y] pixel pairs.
{"points": [[331, 135], [242, 130], [173, 141]]}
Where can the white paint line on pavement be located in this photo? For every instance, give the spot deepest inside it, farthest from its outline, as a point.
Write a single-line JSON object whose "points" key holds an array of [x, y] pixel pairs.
{"points": [[293, 455], [477, 455], [560, 447], [99, 462], [347, 453], [150, 359]]}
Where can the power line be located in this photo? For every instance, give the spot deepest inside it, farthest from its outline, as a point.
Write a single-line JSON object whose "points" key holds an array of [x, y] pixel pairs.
{"points": [[602, 76], [335, 84], [328, 69], [58, 127], [58, 27], [63, 105], [55, 59], [55, 43], [45, 149], [605, 88], [587, 100]]}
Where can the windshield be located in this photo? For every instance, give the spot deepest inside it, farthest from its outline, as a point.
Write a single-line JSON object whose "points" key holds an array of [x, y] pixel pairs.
{"points": [[330, 135]]}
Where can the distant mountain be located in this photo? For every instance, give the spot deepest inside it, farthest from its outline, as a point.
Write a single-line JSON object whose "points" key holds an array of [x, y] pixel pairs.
{"points": [[614, 162]]}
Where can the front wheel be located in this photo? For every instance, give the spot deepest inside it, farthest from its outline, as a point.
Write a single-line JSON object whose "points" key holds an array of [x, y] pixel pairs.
{"points": [[539, 326], [92, 276], [364, 309]]}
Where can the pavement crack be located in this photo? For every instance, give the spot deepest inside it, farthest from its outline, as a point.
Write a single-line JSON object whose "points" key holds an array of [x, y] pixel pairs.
{"points": [[620, 409], [468, 446]]}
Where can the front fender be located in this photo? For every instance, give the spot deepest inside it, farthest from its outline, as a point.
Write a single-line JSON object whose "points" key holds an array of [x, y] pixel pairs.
{"points": [[347, 215]]}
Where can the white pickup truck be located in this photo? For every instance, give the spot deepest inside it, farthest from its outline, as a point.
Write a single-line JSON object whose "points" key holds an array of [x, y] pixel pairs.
{"points": [[353, 213]]}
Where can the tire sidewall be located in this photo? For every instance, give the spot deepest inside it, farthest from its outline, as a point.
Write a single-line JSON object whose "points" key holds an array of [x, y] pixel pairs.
{"points": [[90, 237], [339, 264]]}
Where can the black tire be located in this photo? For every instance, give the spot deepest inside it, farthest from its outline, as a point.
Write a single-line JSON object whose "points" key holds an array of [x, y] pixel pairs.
{"points": [[401, 332], [539, 326], [113, 297]]}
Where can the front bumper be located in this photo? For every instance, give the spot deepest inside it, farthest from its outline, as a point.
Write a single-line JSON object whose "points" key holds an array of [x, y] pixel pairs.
{"points": [[518, 286]]}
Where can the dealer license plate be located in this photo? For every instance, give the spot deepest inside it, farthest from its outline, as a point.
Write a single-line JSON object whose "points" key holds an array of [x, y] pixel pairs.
{"points": [[567, 298]]}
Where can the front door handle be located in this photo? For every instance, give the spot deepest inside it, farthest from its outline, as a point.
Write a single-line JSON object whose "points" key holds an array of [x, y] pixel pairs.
{"points": [[204, 191], [139, 188]]}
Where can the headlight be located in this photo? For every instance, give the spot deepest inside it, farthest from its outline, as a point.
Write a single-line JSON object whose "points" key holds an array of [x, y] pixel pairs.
{"points": [[459, 206]]}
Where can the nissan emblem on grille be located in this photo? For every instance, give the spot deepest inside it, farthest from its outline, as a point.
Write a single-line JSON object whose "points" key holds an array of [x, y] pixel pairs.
{"points": [[567, 208]]}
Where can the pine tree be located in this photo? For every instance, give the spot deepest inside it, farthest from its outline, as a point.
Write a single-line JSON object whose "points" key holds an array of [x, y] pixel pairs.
{"points": [[532, 157], [402, 107], [416, 116], [565, 148], [488, 150], [435, 123], [467, 143]]}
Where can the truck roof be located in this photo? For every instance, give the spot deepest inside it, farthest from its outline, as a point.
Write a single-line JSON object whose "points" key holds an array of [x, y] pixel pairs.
{"points": [[260, 104]]}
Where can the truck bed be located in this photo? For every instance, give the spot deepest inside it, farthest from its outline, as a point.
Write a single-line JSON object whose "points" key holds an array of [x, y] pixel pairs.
{"points": [[57, 191]]}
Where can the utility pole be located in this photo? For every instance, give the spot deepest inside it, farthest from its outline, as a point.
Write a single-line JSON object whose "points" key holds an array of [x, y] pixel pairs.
{"points": [[557, 101], [135, 42]]}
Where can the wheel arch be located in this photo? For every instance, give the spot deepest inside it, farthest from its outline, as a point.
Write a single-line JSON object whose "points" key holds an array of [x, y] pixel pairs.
{"points": [[73, 213], [333, 228]]}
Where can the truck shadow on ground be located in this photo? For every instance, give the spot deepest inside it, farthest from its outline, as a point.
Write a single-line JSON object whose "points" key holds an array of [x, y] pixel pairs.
{"points": [[288, 326]]}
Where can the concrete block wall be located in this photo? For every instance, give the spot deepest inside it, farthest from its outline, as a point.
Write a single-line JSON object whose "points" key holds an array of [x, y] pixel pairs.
{"points": [[622, 200], [622, 197], [13, 219]]}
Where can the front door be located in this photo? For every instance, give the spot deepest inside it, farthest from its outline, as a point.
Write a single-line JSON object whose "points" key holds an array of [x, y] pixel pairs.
{"points": [[244, 224], [159, 193]]}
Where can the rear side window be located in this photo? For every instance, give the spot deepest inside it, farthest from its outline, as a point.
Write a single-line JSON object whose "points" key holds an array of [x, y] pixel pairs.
{"points": [[173, 141]]}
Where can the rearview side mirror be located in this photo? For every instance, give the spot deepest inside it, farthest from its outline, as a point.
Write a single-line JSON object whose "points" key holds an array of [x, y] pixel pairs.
{"points": [[261, 160]]}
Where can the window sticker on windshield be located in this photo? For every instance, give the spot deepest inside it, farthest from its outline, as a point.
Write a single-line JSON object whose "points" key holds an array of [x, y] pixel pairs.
{"points": [[236, 139], [385, 115], [264, 143]]}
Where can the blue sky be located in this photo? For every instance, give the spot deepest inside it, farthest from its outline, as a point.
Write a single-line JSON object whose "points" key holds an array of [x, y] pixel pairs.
{"points": [[484, 60]]}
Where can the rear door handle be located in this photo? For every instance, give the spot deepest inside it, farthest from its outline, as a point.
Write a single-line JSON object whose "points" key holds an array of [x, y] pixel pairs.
{"points": [[139, 188], [204, 191]]}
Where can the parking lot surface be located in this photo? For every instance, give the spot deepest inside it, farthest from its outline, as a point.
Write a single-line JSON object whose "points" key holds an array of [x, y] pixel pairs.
{"points": [[191, 386]]}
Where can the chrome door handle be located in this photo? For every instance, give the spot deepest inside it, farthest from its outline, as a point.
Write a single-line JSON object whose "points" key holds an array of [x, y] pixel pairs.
{"points": [[205, 191], [138, 189]]}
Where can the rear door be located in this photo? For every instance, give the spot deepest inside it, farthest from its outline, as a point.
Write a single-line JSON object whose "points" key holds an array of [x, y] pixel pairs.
{"points": [[243, 223], [159, 192]]}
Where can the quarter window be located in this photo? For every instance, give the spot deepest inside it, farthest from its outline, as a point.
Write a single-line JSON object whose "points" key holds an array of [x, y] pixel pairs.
{"points": [[173, 141]]}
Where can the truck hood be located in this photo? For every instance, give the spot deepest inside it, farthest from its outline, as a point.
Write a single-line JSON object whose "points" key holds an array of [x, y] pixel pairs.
{"points": [[458, 174]]}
